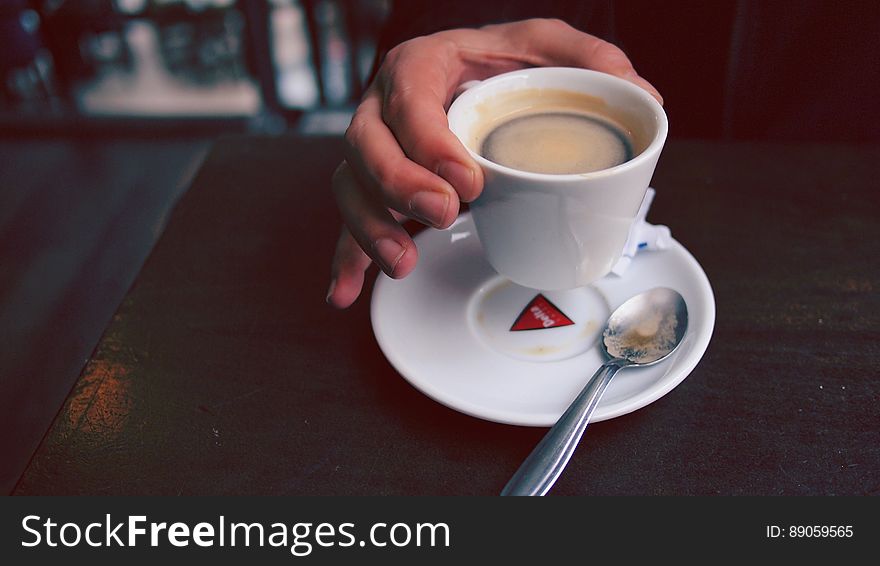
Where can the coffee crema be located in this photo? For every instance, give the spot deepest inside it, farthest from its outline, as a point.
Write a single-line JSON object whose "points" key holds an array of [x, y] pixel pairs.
{"points": [[553, 131], [559, 143]]}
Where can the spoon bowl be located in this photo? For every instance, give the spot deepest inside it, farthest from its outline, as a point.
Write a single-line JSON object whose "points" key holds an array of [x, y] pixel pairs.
{"points": [[644, 330], [647, 328]]}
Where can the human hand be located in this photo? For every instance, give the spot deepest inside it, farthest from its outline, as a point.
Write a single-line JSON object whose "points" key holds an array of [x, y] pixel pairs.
{"points": [[402, 161]]}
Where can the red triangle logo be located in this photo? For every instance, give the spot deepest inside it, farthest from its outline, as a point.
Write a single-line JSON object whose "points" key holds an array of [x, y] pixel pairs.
{"points": [[540, 314]]}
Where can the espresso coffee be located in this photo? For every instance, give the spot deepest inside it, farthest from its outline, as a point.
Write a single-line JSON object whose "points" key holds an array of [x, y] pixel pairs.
{"points": [[554, 131], [557, 142]]}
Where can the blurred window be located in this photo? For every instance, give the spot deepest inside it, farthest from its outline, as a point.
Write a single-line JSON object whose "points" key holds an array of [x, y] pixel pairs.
{"points": [[185, 58]]}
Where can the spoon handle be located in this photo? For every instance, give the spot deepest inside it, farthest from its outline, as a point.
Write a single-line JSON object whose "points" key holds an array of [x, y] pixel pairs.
{"points": [[542, 468]]}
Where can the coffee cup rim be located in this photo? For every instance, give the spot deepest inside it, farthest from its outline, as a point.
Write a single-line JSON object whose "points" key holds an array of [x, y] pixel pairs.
{"points": [[653, 147]]}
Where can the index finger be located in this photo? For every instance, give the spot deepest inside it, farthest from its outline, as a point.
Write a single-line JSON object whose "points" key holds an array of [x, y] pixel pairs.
{"points": [[416, 87], [549, 42]]}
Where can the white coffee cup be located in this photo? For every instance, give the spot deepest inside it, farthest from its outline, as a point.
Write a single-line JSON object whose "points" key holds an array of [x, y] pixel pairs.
{"points": [[555, 232]]}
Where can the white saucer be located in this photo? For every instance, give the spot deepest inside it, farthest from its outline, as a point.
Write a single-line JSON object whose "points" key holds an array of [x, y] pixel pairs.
{"points": [[442, 329]]}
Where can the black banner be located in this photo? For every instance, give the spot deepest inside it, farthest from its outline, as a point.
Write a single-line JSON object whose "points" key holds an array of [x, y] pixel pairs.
{"points": [[432, 530]]}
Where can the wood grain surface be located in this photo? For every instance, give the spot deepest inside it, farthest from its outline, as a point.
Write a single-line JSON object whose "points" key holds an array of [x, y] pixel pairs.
{"points": [[224, 372]]}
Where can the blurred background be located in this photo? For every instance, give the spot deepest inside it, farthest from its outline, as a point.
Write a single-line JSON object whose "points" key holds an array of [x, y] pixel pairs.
{"points": [[212, 65]]}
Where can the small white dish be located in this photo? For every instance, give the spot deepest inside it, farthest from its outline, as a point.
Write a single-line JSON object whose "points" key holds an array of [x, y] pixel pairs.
{"points": [[476, 343]]}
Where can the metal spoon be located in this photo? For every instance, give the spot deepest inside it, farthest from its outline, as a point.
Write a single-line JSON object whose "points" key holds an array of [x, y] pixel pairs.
{"points": [[640, 332]]}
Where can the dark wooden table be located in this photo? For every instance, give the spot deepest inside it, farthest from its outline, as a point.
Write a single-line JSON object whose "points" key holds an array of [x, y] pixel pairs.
{"points": [[223, 371]]}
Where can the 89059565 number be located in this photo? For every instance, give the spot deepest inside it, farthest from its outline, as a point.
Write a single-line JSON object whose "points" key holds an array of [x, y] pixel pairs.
{"points": [[820, 531]]}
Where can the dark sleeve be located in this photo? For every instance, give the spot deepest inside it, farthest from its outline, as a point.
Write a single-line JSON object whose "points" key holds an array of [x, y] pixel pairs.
{"points": [[414, 18], [805, 72], [791, 70]]}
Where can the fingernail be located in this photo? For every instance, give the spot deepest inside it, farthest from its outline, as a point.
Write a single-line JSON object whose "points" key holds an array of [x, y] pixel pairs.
{"points": [[459, 176], [636, 78], [388, 254], [430, 207], [330, 290]]}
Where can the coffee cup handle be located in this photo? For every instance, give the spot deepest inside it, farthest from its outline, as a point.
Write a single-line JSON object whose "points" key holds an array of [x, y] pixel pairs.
{"points": [[466, 86]]}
